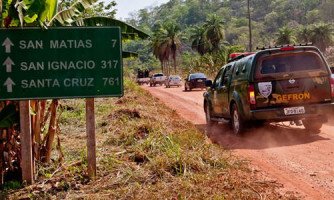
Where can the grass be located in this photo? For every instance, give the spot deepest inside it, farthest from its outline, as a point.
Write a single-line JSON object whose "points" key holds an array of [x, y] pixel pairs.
{"points": [[145, 151]]}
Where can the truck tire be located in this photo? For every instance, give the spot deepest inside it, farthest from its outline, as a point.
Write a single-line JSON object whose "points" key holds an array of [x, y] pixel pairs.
{"points": [[237, 122], [312, 125], [208, 117]]}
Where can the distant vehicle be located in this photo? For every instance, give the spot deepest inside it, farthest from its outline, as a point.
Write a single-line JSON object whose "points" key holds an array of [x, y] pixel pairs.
{"points": [[143, 77], [287, 83], [196, 80], [173, 80], [158, 78]]}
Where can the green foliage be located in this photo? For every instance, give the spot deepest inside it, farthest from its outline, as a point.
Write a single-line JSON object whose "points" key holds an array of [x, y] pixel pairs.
{"points": [[100, 9], [268, 16], [208, 38], [214, 31], [43, 12], [9, 116], [49, 10], [27, 12], [199, 42], [208, 63], [73, 112], [12, 185], [72, 13], [322, 35], [285, 36], [166, 43]]}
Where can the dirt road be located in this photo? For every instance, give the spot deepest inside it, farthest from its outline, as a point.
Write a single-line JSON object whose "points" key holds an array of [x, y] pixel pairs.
{"points": [[302, 162]]}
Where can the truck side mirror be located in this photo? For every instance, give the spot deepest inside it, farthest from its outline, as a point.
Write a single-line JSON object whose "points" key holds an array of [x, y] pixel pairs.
{"points": [[208, 83]]}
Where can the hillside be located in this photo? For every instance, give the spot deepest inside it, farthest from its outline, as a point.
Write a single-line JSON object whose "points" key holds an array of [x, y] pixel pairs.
{"points": [[267, 16], [273, 23]]}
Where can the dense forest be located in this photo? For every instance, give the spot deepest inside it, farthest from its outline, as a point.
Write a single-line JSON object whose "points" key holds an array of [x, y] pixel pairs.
{"points": [[202, 33]]}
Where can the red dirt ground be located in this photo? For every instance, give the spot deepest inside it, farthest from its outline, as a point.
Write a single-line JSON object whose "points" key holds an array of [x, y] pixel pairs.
{"points": [[301, 161]]}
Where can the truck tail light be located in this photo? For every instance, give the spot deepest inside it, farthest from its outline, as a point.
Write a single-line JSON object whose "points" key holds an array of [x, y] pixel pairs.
{"points": [[332, 86], [251, 95]]}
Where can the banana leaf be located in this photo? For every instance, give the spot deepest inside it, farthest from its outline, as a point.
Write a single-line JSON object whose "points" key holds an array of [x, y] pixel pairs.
{"points": [[68, 16]]}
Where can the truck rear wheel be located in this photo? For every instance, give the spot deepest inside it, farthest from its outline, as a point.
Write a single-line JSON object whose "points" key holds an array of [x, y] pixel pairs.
{"points": [[237, 122], [312, 125], [208, 117]]}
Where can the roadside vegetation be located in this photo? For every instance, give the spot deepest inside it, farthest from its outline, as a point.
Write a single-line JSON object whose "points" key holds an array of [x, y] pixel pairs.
{"points": [[145, 150]]}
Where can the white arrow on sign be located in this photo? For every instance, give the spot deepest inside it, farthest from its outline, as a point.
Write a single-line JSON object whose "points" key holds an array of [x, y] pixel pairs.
{"points": [[9, 63], [7, 44], [9, 83]]}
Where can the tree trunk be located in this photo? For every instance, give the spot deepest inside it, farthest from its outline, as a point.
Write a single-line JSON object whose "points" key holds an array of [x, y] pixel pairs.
{"points": [[174, 63], [52, 130], [249, 26], [37, 130], [2, 159], [162, 66]]}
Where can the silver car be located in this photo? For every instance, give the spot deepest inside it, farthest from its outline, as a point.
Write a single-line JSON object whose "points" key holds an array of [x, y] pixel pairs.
{"points": [[173, 80]]}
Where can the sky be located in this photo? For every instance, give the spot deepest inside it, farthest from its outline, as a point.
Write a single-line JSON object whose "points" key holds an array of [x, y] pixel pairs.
{"points": [[125, 7]]}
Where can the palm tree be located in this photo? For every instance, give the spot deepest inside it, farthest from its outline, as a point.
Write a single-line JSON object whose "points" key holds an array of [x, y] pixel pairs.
{"points": [[285, 36], [214, 31], [166, 44], [322, 35], [304, 34], [174, 41], [159, 48], [199, 42]]}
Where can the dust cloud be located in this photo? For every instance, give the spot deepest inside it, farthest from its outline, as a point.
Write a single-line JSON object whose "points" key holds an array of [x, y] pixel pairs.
{"points": [[269, 135]]}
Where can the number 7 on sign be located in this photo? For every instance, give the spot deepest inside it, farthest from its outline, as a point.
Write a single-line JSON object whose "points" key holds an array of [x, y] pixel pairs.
{"points": [[114, 42]]}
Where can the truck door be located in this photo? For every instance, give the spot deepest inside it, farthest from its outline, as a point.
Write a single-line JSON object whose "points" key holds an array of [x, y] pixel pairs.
{"points": [[221, 92]]}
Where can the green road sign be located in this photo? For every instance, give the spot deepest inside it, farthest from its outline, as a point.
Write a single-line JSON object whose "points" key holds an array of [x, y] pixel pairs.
{"points": [[60, 63]]}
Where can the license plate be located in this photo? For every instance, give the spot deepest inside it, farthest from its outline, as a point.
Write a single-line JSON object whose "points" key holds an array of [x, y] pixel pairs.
{"points": [[294, 110], [200, 80]]}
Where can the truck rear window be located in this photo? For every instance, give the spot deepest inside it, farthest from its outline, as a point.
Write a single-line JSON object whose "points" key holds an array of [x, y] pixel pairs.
{"points": [[289, 63]]}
